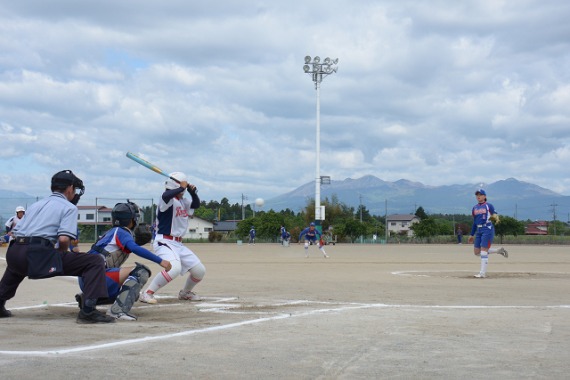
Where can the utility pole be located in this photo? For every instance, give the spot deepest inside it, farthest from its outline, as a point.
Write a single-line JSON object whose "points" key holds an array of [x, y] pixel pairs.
{"points": [[554, 216], [243, 198]]}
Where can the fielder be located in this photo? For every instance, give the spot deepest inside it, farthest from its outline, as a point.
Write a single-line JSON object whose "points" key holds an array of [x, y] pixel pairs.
{"points": [[11, 223], [483, 231], [124, 284], [172, 217], [310, 234]]}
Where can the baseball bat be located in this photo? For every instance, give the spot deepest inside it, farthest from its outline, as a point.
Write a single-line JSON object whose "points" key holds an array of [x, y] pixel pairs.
{"points": [[150, 166]]}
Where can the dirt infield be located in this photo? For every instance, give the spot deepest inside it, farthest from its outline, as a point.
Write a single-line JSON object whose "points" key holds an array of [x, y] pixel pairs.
{"points": [[369, 311]]}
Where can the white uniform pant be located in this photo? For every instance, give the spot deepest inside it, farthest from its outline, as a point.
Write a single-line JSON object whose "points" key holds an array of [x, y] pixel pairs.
{"points": [[172, 250]]}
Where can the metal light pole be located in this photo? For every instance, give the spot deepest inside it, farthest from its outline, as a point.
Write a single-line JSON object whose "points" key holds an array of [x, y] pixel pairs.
{"points": [[319, 71]]}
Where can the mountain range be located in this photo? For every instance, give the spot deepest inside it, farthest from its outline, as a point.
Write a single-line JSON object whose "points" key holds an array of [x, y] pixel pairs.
{"points": [[511, 197]]}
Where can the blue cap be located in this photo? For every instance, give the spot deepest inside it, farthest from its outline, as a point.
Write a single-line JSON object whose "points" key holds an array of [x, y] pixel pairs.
{"points": [[312, 224], [481, 191]]}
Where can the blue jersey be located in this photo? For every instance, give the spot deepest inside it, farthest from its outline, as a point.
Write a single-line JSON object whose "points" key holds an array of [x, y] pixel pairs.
{"points": [[481, 213], [252, 233], [310, 235], [120, 239]]}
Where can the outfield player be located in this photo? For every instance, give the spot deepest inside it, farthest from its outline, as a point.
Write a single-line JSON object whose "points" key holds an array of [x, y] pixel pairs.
{"points": [[124, 284], [172, 216], [252, 235], [310, 234], [285, 236], [483, 231]]}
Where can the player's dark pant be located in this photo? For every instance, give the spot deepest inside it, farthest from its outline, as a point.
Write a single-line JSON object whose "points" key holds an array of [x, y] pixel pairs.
{"points": [[90, 267]]}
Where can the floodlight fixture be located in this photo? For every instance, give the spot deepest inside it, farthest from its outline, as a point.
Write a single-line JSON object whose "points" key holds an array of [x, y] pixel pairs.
{"points": [[306, 68], [307, 59]]}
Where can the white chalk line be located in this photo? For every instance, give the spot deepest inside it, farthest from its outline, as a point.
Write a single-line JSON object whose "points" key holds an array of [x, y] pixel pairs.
{"points": [[348, 307], [418, 273]]}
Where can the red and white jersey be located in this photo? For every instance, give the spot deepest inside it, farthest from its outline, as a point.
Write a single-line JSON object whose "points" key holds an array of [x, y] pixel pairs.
{"points": [[172, 216]]}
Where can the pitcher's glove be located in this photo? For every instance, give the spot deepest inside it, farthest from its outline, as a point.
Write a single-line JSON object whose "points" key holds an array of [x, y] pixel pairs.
{"points": [[143, 234], [495, 219]]}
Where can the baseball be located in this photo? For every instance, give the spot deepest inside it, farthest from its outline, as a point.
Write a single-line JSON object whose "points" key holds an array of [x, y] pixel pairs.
{"points": [[259, 202]]}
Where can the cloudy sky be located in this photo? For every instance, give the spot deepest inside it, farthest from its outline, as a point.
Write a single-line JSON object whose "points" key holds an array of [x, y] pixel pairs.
{"points": [[440, 92]]}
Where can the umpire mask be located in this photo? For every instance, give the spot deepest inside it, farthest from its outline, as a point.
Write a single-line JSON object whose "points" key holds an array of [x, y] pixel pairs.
{"points": [[66, 178]]}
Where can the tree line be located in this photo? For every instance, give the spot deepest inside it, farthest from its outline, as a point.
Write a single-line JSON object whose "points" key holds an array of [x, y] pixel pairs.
{"points": [[344, 222]]}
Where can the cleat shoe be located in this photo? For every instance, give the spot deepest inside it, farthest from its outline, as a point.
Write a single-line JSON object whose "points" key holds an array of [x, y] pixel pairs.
{"points": [[79, 299], [480, 275], [5, 313], [503, 252], [147, 298], [187, 295], [94, 317], [122, 316], [325, 256]]}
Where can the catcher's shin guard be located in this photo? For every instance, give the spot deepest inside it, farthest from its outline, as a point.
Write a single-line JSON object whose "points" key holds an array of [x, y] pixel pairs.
{"points": [[131, 289]]}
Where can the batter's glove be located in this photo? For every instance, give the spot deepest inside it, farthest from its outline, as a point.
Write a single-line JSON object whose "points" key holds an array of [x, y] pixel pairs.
{"points": [[495, 219], [143, 234]]}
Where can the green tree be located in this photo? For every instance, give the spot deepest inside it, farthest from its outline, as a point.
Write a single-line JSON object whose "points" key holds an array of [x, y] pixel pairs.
{"points": [[350, 228], [425, 228], [557, 228], [509, 226], [420, 213]]}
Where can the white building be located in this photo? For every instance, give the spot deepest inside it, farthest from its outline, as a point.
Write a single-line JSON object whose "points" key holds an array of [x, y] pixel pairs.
{"points": [[198, 229], [90, 214], [401, 223]]}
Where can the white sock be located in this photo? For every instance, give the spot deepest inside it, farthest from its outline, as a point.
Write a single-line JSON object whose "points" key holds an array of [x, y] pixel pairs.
{"points": [[484, 262], [159, 281]]}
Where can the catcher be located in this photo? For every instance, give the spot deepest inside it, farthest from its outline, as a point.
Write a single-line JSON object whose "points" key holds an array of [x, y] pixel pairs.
{"points": [[124, 284], [483, 231]]}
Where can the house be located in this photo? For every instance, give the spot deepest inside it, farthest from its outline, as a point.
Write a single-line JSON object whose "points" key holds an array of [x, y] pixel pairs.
{"points": [[91, 215], [226, 226], [536, 228], [198, 228], [399, 224]]}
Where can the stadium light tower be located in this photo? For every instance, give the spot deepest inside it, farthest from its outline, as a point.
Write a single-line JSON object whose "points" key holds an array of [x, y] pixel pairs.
{"points": [[319, 70]]}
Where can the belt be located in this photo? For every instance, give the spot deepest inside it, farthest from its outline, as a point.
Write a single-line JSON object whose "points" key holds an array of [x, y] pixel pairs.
{"points": [[484, 225], [175, 238], [32, 240]]}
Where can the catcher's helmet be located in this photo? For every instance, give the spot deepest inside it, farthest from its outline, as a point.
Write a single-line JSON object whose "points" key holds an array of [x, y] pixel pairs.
{"points": [[123, 213], [171, 184]]}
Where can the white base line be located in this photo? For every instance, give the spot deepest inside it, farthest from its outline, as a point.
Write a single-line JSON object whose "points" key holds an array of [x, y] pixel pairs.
{"points": [[255, 321]]}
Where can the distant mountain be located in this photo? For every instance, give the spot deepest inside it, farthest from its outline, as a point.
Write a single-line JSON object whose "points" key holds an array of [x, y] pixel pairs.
{"points": [[510, 197]]}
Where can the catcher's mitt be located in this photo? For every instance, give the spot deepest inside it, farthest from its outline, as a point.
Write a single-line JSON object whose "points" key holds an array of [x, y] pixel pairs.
{"points": [[495, 219], [143, 234]]}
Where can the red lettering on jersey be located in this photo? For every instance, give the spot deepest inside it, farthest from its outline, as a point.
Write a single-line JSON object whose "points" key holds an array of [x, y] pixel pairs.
{"points": [[180, 211]]}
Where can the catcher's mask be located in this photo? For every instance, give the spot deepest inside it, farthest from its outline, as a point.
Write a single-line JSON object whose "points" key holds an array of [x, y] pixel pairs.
{"points": [[123, 213]]}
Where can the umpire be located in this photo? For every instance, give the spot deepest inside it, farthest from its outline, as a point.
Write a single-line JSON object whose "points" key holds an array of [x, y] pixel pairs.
{"points": [[48, 223]]}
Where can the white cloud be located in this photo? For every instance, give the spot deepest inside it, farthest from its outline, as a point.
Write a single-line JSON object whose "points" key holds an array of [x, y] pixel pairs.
{"points": [[431, 92]]}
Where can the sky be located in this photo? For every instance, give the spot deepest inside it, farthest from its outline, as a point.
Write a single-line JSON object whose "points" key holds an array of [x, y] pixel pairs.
{"points": [[438, 92]]}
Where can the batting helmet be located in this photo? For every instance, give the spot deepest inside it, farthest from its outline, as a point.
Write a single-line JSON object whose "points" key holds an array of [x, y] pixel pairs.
{"points": [[123, 213], [171, 184]]}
